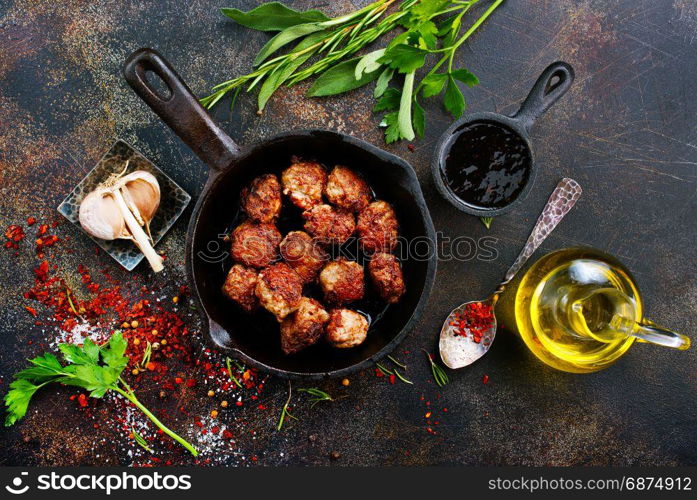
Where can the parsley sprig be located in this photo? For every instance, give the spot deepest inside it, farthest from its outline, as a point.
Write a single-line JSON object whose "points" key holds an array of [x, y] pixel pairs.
{"points": [[324, 46], [92, 367]]}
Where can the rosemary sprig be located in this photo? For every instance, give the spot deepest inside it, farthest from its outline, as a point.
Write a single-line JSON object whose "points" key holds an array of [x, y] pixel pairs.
{"points": [[402, 378], [439, 375], [229, 372], [140, 440], [384, 370], [317, 395], [401, 365], [284, 412]]}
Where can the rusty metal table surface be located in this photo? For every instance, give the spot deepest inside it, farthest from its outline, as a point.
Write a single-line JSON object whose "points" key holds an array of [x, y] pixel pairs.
{"points": [[626, 131]]}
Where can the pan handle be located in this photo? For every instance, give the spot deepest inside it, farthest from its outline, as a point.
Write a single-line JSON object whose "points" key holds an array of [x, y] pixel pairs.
{"points": [[548, 89], [179, 108]]}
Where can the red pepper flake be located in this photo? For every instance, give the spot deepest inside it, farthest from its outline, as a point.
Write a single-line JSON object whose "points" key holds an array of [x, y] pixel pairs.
{"points": [[227, 434], [190, 382], [239, 403], [476, 320], [261, 407], [82, 400], [42, 229], [31, 310], [31, 221], [178, 380], [392, 379], [485, 379], [14, 235]]}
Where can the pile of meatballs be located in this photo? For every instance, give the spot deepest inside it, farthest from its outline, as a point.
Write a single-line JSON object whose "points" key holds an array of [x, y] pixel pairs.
{"points": [[272, 270]]}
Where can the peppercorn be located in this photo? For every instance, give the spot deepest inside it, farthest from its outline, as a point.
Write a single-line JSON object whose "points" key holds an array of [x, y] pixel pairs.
{"points": [[136, 341], [125, 325], [345, 382], [135, 371], [211, 394], [335, 455], [214, 413], [163, 342], [150, 366], [223, 404], [134, 324], [162, 394], [175, 299], [154, 332]]}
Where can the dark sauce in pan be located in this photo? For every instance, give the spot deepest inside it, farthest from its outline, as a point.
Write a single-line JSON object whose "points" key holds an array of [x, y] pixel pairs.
{"points": [[487, 166]]}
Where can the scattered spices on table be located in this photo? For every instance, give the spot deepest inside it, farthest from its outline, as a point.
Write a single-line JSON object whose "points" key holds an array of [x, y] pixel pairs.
{"points": [[475, 321]]}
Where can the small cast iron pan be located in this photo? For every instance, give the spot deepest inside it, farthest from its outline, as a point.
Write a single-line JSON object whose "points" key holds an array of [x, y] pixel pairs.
{"points": [[255, 338], [548, 89]]}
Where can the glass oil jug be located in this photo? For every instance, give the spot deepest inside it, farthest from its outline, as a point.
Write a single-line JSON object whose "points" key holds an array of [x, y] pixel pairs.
{"points": [[579, 310]]}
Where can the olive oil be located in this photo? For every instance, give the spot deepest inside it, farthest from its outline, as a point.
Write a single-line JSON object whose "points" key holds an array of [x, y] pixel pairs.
{"points": [[570, 308]]}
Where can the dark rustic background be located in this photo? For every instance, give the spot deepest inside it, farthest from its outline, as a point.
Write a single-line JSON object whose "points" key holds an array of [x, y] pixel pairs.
{"points": [[626, 131]]}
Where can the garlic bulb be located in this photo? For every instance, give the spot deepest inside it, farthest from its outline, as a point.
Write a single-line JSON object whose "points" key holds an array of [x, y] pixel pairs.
{"points": [[118, 209]]}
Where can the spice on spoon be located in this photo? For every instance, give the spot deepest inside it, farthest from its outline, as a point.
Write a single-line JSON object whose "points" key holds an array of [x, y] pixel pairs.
{"points": [[120, 207]]}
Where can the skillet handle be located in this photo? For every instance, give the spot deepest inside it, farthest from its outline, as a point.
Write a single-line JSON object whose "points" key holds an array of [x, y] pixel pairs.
{"points": [[548, 89], [179, 109]]}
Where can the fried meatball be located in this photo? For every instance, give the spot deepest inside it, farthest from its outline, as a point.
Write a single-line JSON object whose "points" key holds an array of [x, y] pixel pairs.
{"points": [[304, 327], [342, 281], [346, 189], [377, 227], [261, 200], [386, 274], [279, 289], [255, 244], [328, 224], [304, 182], [240, 285], [346, 328], [303, 254]]}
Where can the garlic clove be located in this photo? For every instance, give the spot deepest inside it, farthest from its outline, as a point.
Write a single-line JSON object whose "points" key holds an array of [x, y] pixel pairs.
{"points": [[99, 215], [142, 191]]}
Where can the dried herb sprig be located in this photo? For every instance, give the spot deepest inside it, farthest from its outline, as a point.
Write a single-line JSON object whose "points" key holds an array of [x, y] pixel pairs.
{"points": [[89, 366], [324, 45], [147, 354], [229, 372], [317, 395], [487, 221], [439, 375], [140, 440], [284, 412]]}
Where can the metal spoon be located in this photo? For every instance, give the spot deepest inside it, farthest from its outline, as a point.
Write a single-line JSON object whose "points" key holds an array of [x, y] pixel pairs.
{"points": [[458, 350]]}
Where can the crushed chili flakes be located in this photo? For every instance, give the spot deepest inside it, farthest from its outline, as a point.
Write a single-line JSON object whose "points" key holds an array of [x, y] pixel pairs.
{"points": [[475, 321]]}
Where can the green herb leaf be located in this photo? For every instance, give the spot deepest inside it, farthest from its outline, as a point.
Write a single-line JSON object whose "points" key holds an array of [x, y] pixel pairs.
{"points": [[428, 32], [406, 129], [419, 119], [486, 221], [341, 78], [433, 84], [404, 58], [273, 16], [383, 82], [368, 63], [317, 395], [17, 400], [391, 123], [279, 76], [423, 11], [284, 38], [389, 100], [454, 100], [466, 77]]}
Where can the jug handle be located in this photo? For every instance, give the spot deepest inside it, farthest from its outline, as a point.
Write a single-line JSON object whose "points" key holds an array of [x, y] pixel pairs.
{"points": [[649, 332]]}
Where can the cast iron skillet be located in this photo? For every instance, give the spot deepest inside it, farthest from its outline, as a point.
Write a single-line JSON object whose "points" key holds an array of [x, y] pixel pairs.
{"points": [[255, 338], [552, 84]]}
